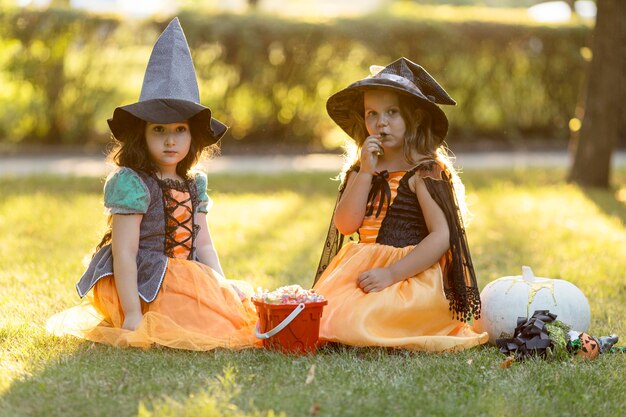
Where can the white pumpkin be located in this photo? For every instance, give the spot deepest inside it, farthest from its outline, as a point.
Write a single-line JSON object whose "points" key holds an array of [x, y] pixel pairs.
{"points": [[507, 298]]}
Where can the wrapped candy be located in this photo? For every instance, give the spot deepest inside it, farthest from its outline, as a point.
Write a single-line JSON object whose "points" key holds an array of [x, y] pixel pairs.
{"points": [[289, 294], [543, 336]]}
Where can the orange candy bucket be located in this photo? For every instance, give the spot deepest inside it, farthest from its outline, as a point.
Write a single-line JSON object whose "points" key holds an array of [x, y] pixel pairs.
{"points": [[289, 328]]}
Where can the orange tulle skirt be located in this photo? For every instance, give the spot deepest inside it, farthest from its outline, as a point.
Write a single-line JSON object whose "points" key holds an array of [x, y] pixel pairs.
{"points": [[195, 309], [412, 314]]}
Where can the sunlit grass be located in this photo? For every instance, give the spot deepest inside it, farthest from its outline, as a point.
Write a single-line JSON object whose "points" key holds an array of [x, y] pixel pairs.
{"points": [[269, 230], [562, 231], [214, 399], [257, 224]]}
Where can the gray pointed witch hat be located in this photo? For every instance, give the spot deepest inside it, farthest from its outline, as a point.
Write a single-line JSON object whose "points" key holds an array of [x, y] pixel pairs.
{"points": [[169, 93], [401, 76]]}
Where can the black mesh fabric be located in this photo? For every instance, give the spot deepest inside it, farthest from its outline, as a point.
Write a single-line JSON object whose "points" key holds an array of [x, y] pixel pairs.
{"points": [[334, 239], [459, 278]]}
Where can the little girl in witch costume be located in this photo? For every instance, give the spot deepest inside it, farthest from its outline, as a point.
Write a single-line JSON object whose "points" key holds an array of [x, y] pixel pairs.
{"points": [[156, 277], [409, 281]]}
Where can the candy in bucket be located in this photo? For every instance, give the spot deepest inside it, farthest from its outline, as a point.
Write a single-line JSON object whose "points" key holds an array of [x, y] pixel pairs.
{"points": [[289, 318]]}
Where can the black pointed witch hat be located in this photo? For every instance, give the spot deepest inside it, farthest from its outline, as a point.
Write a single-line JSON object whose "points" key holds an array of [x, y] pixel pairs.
{"points": [[170, 91], [401, 76]]}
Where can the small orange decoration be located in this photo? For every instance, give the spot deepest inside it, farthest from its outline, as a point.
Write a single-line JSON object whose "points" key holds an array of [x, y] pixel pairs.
{"points": [[589, 348], [507, 362]]}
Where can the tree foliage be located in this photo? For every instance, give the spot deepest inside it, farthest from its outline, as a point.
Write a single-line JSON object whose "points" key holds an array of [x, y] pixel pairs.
{"points": [[269, 77]]}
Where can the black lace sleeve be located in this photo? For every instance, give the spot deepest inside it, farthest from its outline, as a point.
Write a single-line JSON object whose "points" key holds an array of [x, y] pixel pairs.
{"points": [[334, 239], [459, 278]]}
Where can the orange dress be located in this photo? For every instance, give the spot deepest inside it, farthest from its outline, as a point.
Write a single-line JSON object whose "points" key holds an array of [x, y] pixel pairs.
{"points": [[195, 309], [412, 314]]}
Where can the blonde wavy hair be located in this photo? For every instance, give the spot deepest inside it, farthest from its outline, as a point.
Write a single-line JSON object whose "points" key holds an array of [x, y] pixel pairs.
{"points": [[419, 138]]}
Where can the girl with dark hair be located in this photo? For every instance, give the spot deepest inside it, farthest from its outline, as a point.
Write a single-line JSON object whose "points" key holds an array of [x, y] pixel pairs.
{"points": [[155, 277], [409, 281]]}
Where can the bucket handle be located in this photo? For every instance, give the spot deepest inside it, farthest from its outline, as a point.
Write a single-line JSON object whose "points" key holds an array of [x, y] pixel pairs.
{"points": [[282, 324]]}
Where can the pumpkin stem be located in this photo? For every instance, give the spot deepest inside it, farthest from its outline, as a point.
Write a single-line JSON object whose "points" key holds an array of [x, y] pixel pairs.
{"points": [[527, 273]]}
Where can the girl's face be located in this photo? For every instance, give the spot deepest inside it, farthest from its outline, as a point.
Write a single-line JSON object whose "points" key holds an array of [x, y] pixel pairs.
{"points": [[383, 118], [168, 144]]}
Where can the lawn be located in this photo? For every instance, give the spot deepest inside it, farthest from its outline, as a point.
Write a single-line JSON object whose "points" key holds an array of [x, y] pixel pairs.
{"points": [[269, 230]]}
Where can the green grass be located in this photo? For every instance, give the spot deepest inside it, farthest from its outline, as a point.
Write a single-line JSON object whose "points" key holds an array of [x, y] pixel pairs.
{"points": [[269, 230]]}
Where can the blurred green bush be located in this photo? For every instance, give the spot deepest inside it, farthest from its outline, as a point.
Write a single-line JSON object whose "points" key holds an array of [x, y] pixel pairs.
{"points": [[63, 72]]}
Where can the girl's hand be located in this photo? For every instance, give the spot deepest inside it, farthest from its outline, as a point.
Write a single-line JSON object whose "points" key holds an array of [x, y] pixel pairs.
{"points": [[132, 321], [375, 280], [369, 154]]}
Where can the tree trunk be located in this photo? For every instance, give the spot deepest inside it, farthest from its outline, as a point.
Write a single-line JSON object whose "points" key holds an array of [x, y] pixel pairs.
{"points": [[603, 100]]}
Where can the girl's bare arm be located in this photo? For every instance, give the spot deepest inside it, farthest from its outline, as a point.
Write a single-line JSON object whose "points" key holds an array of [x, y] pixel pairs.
{"points": [[125, 245], [351, 208], [205, 250]]}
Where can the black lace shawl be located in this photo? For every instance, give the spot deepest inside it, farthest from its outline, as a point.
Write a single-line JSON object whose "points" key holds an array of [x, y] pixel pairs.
{"points": [[459, 279]]}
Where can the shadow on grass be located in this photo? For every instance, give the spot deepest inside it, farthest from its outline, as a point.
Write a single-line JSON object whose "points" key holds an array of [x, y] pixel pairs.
{"points": [[102, 381], [611, 201], [97, 380], [607, 201]]}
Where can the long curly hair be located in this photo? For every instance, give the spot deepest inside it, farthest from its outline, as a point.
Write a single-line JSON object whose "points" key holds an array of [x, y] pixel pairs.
{"points": [[131, 150]]}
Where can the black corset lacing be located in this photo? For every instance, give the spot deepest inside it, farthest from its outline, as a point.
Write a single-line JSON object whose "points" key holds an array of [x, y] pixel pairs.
{"points": [[380, 188], [172, 224]]}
